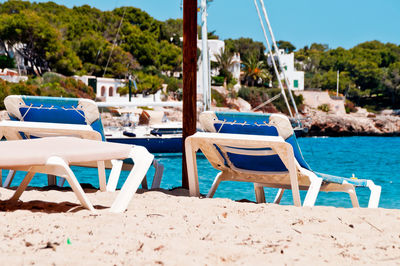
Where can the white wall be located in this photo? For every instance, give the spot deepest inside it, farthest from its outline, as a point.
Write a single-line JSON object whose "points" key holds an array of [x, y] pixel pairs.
{"points": [[215, 47], [139, 98], [292, 74], [299, 76], [106, 87], [14, 79]]}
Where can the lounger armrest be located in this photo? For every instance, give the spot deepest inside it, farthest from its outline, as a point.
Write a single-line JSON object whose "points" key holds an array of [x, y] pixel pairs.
{"points": [[10, 129]]}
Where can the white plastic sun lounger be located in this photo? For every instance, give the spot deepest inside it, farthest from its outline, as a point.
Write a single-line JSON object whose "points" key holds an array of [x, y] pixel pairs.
{"points": [[53, 155], [56, 116], [262, 149], [11, 131]]}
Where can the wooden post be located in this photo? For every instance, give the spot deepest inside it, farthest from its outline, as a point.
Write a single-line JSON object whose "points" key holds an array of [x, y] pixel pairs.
{"points": [[189, 77]]}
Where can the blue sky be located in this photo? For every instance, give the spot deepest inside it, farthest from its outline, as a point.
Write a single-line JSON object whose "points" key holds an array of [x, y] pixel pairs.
{"points": [[334, 22]]}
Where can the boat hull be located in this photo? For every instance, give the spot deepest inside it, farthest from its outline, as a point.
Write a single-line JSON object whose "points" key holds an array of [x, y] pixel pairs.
{"points": [[170, 144], [153, 145]]}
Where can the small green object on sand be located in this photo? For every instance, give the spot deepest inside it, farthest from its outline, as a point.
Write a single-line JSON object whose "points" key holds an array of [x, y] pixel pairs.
{"points": [[68, 241]]}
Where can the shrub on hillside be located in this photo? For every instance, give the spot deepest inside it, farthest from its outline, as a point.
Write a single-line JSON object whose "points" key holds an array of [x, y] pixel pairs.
{"points": [[146, 84], [217, 80], [244, 93], [258, 95], [350, 107], [219, 98], [173, 84], [49, 85], [324, 107]]}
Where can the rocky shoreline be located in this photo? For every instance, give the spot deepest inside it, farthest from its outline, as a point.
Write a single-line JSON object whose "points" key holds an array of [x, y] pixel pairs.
{"points": [[318, 123], [357, 124]]}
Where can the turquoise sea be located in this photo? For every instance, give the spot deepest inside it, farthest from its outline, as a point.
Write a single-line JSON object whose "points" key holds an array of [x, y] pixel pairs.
{"points": [[375, 158]]}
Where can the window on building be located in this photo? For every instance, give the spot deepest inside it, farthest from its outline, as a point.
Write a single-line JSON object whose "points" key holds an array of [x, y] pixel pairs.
{"points": [[111, 91], [296, 83], [103, 91]]}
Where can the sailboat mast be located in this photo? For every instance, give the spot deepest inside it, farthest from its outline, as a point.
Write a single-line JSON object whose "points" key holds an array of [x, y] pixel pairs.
{"points": [[279, 59], [337, 84], [272, 59], [205, 57]]}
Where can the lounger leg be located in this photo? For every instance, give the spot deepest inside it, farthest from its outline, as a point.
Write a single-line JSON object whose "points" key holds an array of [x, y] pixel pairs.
{"points": [[191, 164], [114, 175], [62, 169], [25, 182], [260, 194], [353, 196], [215, 185], [159, 169], [61, 181], [51, 180], [312, 192], [279, 196], [375, 194], [144, 183], [287, 157], [9, 179], [102, 175], [142, 159]]}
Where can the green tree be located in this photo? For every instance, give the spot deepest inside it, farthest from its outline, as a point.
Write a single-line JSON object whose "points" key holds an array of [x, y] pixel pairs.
{"points": [[224, 63], [172, 30], [6, 62], [41, 45], [254, 71], [366, 74], [120, 63], [287, 46], [319, 47], [148, 84], [60, 39], [391, 81], [169, 57], [212, 36], [14, 7], [335, 59], [310, 58], [141, 45], [328, 81], [246, 47], [141, 19]]}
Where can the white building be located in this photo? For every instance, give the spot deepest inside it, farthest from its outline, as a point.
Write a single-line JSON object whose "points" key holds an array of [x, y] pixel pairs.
{"points": [[214, 47], [296, 78], [11, 76], [13, 53], [235, 68], [107, 89]]}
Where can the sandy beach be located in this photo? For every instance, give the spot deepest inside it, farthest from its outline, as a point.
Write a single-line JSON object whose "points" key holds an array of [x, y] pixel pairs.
{"points": [[48, 227]]}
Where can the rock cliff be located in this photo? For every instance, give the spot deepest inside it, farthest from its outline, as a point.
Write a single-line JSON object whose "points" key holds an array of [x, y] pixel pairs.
{"points": [[358, 124]]}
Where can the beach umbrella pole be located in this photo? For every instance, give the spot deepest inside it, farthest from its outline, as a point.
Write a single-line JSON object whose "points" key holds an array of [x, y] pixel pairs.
{"points": [[189, 77]]}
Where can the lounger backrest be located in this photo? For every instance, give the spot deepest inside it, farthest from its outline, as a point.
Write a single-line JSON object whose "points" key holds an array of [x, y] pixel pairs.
{"points": [[254, 124], [54, 110]]}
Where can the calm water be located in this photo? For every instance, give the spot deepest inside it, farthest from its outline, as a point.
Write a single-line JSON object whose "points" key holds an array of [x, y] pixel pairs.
{"points": [[375, 158]]}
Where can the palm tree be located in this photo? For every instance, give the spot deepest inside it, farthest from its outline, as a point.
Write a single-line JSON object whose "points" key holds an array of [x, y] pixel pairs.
{"points": [[255, 70], [224, 63]]}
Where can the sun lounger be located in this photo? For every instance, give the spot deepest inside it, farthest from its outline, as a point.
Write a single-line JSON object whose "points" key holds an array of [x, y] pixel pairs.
{"points": [[263, 149], [53, 155], [50, 116]]}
